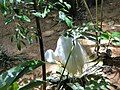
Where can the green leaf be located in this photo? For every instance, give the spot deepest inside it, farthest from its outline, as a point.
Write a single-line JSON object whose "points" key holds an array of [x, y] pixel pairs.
{"points": [[28, 66], [24, 18], [32, 84], [3, 9], [105, 35], [89, 36], [61, 1], [115, 34], [115, 38], [18, 1], [42, 15], [14, 1], [96, 82], [14, 86], [8, 20], [22, 34], [11, 1], [46, 11], [67, 5], [75, 86], [30, 40], [41, 1], [37, 14], [116, 42], [9, 77], [69, 22]]}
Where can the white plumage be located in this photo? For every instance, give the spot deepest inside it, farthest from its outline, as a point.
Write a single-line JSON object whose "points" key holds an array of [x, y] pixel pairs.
{"points": [[77, 58]]}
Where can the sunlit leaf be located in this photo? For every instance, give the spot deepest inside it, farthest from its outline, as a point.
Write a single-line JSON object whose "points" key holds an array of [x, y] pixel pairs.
{"points": [[37, 14], [45, 12], [96, 82], [30, 40], [61, 1], [89, 36], [75, 86], [22, 34], [14, 1], [8, 20], [116, 34], [3, 9], [24, 18], [41, 1], [116, 42], [63, 17], [11, 1], [67, 5], [69, 22], [105, 35], [14, 86], [9, 77], [18, 1]]}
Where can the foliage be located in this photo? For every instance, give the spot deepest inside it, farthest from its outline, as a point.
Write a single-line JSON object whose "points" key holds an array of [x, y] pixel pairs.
{"points": [[23, 34], [23, 11], [9, 77], [97, 82], [87, 82], [113, 37], [87, 31]]}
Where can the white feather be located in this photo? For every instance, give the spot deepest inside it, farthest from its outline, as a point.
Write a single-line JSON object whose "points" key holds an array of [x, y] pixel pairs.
{"points": [[77, 58]]}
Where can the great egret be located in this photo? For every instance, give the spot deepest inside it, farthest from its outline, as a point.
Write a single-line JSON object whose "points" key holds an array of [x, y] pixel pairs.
{"points": [[77, 58]]}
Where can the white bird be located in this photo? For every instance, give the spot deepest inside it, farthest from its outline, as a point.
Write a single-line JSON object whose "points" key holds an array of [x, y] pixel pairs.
{"points": [[77, 58], [49, 56]]}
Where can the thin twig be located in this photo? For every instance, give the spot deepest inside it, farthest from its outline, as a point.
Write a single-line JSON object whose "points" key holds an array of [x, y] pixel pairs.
{"points": [[97, 34], [101, 17], [91, 17], [96, 1], [65, 68], [40, 45], [101, 14]]}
